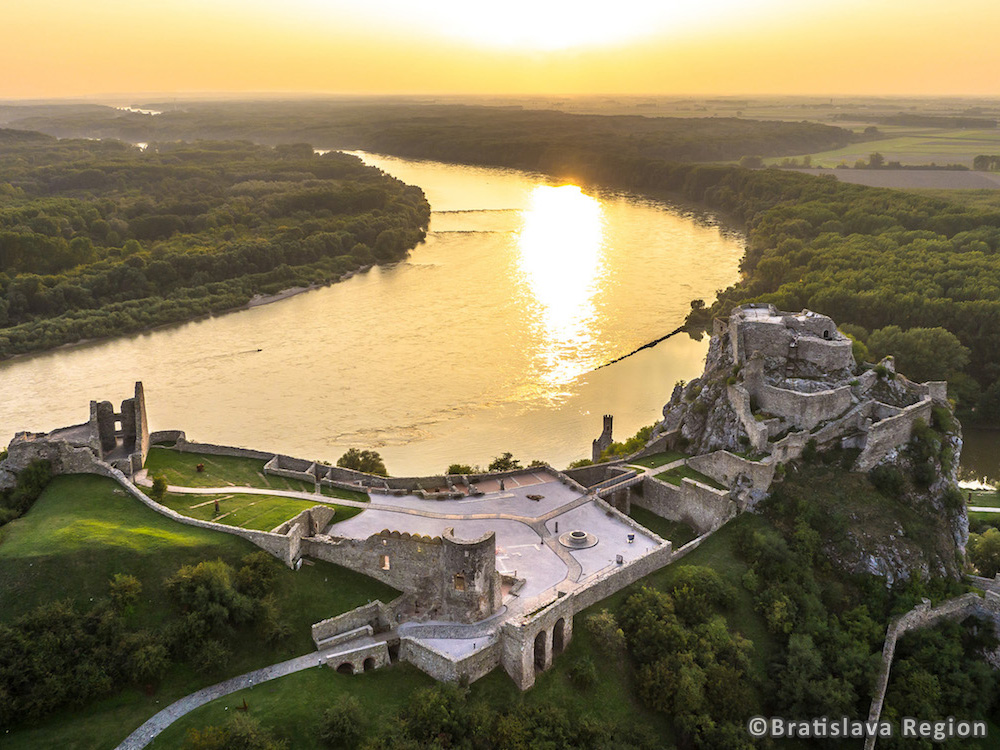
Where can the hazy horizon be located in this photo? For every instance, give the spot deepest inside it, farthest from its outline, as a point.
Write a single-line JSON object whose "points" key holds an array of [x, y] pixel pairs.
{"points": [[58, 49]]}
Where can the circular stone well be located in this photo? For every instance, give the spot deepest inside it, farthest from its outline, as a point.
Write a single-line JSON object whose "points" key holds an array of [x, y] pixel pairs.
{"points": [[577, 539]]}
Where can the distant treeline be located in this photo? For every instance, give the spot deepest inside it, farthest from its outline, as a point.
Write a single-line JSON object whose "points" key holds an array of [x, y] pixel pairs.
{"points": [[509, 135], [920, 121], [100, 238]]}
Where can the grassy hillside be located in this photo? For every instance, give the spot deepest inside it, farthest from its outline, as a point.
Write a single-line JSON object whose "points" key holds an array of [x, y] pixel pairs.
{"points": [[85, 529]]}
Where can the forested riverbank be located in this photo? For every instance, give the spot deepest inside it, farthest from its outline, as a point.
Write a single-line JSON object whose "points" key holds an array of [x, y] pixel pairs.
{"points": [[101, 238]]}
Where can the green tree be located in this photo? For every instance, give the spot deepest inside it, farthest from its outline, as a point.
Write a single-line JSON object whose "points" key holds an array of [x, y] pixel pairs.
{"points": [[921, 353], [984, 552], [460, 469], [368, 461], [124, 591], [504, 462], [159, 488], [343, 724]]}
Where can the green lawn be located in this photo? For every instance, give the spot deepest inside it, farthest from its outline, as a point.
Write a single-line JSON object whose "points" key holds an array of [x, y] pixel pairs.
{"points": [[84, 529], [180, 469], [658, 459], [985, 498], [674, 476], [678, 533], [261, 512]]}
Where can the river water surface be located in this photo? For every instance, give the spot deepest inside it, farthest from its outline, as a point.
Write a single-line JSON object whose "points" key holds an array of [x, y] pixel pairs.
{"points": [[487, 339]]}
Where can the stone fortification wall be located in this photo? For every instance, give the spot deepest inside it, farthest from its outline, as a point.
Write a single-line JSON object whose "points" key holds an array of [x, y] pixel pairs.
{"points": [[167, 436], [923, 616], [64, 457], [445, 578], [445, 669], [724, 467], [804, 410], [657, 445], [701, 507], [828, 356], [739, 400], [291, 468], [890, 433], [374, 614], [588, 476], [406, 562], [212, 449], [309, 522]]}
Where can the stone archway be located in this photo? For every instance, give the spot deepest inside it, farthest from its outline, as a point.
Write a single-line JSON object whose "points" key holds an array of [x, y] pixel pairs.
{"points": [[346, 668], [540, 647], [369, 664], [559, 636]]}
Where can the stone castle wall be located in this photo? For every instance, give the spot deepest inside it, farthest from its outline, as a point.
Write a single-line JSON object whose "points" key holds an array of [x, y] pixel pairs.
{"points": [[375, 614], [739, 400], [724, 467], [829, 356], [923, 616], [804, 410], [890, 433], [446, 669], [701, 507]]}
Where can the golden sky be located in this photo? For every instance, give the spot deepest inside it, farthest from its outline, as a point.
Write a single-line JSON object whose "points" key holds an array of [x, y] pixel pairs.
{"points": [[53, 48]]}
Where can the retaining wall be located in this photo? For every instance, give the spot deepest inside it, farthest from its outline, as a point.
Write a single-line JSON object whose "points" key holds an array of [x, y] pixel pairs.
{"points": [[376, 614], [441, 667], [212, 449], [701, 507]]}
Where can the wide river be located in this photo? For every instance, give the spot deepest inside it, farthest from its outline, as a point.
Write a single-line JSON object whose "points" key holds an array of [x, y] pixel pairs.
{"points": [[489, 338]]}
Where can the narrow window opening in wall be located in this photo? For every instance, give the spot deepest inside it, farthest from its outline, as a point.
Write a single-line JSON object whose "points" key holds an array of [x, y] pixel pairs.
{"points": [[459, 582], [384, 562], [826, 335], [118, 425]]}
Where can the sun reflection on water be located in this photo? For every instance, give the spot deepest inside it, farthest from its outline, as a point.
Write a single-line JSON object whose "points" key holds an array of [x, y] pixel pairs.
{"points": [[561, 260]]}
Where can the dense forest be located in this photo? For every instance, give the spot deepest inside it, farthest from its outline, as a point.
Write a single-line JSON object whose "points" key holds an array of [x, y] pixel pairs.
{"points": [[512, 136], [100, 238]]}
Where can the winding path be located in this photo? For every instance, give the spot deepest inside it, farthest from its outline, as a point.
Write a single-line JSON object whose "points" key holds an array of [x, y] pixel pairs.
{"points": [[160, 721]]}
